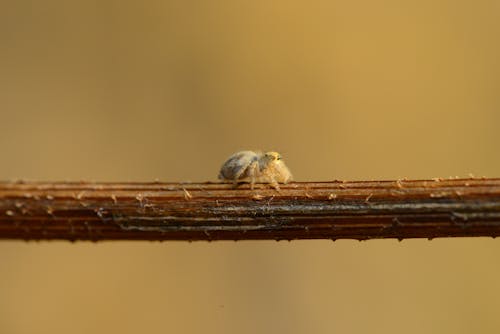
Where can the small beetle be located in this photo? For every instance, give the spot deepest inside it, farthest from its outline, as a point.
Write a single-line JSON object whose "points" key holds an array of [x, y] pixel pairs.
{"points": [[255, 167]]}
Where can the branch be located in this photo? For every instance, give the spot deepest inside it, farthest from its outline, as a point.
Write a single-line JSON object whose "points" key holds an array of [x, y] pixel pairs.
{"points": [[214, 211]]}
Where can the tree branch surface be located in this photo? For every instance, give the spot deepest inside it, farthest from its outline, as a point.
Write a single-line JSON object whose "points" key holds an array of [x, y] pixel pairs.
{"points": [[215, 211]]}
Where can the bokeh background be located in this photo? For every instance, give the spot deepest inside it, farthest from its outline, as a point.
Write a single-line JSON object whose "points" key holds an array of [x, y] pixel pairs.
{"points": [[144, 90]]}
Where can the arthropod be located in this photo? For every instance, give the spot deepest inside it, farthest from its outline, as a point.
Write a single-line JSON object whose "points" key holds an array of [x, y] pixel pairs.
{"points": [[255, 167]]}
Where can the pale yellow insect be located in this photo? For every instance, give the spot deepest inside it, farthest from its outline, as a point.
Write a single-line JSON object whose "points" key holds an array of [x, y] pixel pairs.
{"points": [[255, 167]]}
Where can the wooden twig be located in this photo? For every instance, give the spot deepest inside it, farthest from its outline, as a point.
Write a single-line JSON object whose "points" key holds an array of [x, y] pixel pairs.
{"points": [[213, 211]]}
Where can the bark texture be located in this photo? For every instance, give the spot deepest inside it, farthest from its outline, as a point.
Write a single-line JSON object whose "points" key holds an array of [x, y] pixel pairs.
{"points": [[214, 211]]}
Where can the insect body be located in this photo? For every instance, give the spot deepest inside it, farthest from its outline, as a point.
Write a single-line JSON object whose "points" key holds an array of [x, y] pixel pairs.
{"points": [[255, 167]]}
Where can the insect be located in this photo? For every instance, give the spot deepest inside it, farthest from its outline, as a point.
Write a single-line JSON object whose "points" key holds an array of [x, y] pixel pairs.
{"points": [[255, 167]]}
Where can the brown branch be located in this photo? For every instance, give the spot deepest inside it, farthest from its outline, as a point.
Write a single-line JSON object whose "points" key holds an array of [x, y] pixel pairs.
{"points": [[213, 211]]}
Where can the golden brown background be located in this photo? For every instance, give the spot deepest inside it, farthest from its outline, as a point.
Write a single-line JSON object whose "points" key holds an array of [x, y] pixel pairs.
{"points": [[138, 90]]}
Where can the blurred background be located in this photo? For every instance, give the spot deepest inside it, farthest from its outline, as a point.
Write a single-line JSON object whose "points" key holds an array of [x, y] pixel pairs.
{"points": [[144, 90]]}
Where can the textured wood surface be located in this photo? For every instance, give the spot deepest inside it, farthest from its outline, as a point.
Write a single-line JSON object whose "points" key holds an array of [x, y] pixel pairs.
{"points": [[213, 211]]}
